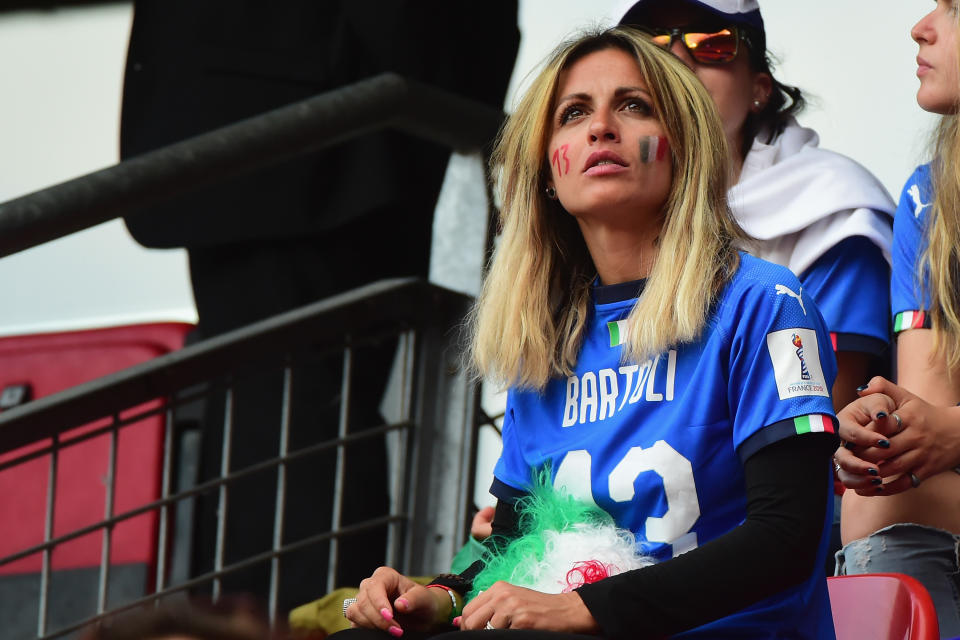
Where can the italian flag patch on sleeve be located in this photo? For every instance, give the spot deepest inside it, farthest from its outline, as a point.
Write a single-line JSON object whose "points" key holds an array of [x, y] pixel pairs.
{"points": [[813, 423], [910, 320]]}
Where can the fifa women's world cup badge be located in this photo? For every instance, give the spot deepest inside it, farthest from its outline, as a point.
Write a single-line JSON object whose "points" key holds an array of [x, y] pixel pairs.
{"points": [[798, 343], [786, 347]]}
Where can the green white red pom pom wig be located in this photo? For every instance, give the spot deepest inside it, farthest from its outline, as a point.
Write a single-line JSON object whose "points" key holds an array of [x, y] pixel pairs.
{"points": [[564, 544]]}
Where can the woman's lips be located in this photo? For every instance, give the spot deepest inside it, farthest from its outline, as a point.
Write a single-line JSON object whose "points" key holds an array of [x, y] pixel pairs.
{"points": [[604, 169], [922, 66], [601, 163]]}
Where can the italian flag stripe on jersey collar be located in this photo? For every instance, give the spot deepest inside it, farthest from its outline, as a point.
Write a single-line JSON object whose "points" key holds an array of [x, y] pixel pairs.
{"points": [[618, 331], [813, 423], [908, 320]]}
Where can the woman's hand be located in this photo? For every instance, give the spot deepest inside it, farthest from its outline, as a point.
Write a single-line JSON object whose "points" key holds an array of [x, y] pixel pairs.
{"points": [[482, 526], [895, 432], [505, 606], [864, 430], [393, 602]]}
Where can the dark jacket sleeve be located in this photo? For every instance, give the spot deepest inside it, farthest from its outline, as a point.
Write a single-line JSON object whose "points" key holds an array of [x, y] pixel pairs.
{"points": [[775, 548]]}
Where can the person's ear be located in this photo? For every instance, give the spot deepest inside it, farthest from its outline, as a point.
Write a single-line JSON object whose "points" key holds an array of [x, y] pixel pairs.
{"points": [[762, 86]]}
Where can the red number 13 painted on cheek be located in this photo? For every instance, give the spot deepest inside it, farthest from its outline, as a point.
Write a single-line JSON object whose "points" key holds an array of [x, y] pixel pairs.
{"points": [[561, 154]]}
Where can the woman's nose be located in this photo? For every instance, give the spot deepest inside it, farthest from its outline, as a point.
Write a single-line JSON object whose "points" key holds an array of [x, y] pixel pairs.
{"points": [[923, 31], [603, 127]]}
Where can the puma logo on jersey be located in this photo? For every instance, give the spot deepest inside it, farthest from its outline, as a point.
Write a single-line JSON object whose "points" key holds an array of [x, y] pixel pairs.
{"points": [[785, 290], [918, 205], [594, 395]]}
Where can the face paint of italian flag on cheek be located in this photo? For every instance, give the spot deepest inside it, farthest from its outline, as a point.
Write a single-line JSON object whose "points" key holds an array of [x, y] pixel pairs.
{"points": [[653, 148]]}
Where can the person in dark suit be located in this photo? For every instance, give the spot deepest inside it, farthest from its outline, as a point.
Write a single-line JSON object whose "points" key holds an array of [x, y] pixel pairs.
{"points": [[301, 230]]}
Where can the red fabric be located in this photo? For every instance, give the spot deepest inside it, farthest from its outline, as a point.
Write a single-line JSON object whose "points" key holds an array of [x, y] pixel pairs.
{"points": [[53, 362]]}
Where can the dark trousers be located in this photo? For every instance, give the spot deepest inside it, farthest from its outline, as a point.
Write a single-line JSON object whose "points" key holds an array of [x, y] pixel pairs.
{"points": [[238, 284]]}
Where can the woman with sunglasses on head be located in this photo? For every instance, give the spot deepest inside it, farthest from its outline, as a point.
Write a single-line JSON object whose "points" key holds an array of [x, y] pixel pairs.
{"points": [[903, 442], [814, 211], [656, 374]]}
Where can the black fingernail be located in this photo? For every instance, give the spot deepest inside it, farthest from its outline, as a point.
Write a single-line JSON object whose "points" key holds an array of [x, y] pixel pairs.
{"points": [[876, 481], [883, 443], [881, 414], [878, 489], [849, 445], [862, 387], [873, 472]]}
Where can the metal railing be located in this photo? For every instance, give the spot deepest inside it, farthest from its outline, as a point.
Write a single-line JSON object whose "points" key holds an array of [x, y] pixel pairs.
{"points": [[296, 129], [430, 455]]}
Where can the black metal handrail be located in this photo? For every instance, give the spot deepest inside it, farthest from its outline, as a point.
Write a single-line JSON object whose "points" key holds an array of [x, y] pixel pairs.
{"points": [[381, 306], [296, 129]]}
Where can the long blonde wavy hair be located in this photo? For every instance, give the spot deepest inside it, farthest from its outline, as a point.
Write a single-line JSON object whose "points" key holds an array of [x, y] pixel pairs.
{"points": [[940, 261], [529, 321]]}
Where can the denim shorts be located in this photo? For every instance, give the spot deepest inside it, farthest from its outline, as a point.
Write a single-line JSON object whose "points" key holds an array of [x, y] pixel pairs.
{"points": [[930, 555]]}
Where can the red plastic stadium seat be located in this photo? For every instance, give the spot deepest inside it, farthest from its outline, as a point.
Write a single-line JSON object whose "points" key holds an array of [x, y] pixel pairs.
{"points": [[882, 606]]}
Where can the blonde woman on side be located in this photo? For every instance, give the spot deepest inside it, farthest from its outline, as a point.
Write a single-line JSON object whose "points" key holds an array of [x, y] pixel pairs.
{"points": [[656, 371], [903, 442]]}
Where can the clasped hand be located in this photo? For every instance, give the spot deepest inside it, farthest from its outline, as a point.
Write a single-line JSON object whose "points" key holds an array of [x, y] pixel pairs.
{"points": [[924, 441]]}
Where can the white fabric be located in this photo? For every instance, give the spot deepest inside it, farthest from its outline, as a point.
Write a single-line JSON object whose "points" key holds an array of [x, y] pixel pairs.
{"points": [[799, 201]]}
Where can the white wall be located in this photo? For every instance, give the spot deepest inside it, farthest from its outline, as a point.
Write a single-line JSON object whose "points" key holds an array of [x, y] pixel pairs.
{"points": [[61, 73]]}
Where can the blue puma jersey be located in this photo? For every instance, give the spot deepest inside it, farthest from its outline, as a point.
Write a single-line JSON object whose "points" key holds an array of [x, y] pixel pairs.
{"points": [[660, 444]]}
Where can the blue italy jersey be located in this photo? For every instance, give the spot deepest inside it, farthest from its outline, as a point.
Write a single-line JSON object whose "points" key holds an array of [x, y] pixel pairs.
{"points": [[908, 295], [850, 285], [660, 444]]}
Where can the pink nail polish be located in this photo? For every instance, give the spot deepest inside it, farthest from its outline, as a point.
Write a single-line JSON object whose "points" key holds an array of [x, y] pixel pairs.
{"points": [[403, 602], [386, 613], [396, 632], [456, 621]]}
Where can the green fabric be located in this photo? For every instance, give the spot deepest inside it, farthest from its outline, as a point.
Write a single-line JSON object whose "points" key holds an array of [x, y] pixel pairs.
{"points": [[468, 554], [542, 509], [325, 614]]}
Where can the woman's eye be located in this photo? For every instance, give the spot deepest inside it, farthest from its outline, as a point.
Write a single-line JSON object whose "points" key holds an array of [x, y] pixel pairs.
{"points": [[637, 105], [570, 113]]}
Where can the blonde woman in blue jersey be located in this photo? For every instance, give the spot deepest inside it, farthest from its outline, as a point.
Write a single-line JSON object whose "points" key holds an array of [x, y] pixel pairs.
{"points": [[902, 513], [657, 372]]}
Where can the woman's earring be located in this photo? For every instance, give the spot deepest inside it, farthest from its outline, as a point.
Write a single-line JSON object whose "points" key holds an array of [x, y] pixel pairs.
{"points": [[551, 193], [756, 104]]}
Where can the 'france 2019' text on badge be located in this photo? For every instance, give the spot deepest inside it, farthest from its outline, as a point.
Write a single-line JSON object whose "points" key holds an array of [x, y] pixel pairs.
{"points": [[795, 355]]}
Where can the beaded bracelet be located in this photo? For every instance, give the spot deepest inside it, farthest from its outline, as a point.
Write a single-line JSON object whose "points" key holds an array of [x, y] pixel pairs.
{"points": [[453, 600]]}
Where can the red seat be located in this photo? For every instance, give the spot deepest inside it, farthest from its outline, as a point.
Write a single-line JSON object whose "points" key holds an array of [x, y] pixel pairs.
{"points": [[882, 606], [52, 362]]}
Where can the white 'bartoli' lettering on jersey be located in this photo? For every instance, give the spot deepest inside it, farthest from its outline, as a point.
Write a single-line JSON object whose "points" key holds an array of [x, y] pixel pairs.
{"points": [[598, 395]]}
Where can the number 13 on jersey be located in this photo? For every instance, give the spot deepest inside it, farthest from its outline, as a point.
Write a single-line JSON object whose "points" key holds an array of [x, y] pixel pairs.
{"points": [[679, 487]]}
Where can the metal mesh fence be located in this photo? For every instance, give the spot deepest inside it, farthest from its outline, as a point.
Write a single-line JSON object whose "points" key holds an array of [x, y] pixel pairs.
{"points": [[303, 384]]}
